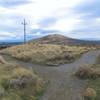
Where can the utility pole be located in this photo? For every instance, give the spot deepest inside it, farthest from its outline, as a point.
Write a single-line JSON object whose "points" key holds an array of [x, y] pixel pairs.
{"points": [[24, 24]]}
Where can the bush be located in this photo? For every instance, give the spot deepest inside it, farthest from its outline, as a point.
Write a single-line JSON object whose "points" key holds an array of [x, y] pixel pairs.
{"points": [[22, 78], [21, 72], [19, 83], [88, 72], [89, 94]]}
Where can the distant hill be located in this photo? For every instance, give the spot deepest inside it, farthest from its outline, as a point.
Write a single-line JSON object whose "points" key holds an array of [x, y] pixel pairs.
{"points": [[61, 39], [9, 44], [55, 39]]}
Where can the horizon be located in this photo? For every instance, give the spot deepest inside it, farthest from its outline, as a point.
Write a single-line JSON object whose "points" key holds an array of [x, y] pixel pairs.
{"points": [[79, 19], [28, 39]]}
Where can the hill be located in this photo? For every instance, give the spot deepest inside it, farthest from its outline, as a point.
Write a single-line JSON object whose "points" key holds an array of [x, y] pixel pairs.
{"points": [[46, 51], [61, 39]]}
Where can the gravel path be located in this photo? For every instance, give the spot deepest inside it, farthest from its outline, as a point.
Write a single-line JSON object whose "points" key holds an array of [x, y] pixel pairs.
{"points": [[63, 86]]}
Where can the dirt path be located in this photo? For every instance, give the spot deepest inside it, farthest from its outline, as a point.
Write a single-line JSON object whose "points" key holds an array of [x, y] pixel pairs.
{"points": [[63, 86]]}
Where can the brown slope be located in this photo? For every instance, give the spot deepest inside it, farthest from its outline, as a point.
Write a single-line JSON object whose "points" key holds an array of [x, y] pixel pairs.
{"points": [[61, 39], [55, 39]]}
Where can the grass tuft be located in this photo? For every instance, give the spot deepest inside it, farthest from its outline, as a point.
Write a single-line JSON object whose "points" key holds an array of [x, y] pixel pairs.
{"points": [[89, 94], [19, 83], [88, 73], [48, 54]]}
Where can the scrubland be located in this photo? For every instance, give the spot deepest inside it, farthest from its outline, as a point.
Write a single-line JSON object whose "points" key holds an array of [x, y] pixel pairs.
{"points": [[92, 75], [47, 54], [19, 83], [23, 84]]}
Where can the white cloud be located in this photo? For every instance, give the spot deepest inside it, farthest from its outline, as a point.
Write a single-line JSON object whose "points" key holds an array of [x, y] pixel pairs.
{"points": [[65, 25], [82, 35], [34, 26], [39, 10], [42, 8], [6, 35]]}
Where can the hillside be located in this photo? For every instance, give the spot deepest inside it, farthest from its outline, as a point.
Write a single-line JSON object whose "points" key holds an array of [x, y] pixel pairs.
{"points": [[18, 82], [46, 50], [61, 39], [60, 81]]}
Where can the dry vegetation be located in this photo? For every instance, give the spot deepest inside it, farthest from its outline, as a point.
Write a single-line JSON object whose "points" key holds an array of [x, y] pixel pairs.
{"points": [[49, 54], [89, 94], [18, 83], [88, 73], [92, 74]]}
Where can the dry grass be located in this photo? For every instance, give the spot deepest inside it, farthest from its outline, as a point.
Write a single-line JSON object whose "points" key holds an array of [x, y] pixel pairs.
{"points": [[87, 72], [92, 74], [19, 83], [2, 60], [89, 94], [46, 53]]}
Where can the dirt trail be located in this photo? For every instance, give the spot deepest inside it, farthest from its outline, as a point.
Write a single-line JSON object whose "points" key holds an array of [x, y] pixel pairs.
{"points": [[63, 86]]}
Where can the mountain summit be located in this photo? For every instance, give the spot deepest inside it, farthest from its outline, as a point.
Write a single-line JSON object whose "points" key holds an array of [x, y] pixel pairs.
{"points": [[61, 39], [55, 39]]}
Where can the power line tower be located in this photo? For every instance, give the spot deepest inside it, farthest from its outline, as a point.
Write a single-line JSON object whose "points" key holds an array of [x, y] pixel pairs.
{"points": [[24, 24]]}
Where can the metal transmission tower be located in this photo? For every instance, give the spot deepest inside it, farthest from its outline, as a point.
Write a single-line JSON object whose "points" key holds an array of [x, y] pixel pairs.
{"points": [[24, 24]]}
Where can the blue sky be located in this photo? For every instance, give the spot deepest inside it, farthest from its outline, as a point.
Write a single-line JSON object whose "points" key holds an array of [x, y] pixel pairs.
{"points": [[74, 18]]}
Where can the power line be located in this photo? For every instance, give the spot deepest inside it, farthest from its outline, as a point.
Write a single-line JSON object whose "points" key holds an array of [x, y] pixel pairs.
{"points": [[24, 24]]}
